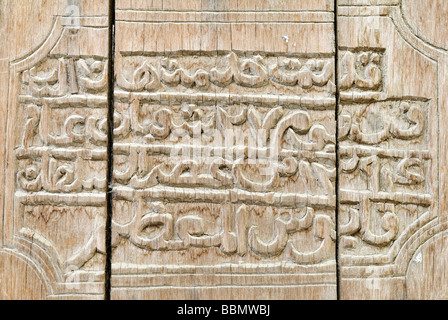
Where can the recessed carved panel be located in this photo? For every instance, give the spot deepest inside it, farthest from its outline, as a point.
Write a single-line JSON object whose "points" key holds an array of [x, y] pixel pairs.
{"points": [[224, 161], [391, 143], [246, 164], [54, 199]]}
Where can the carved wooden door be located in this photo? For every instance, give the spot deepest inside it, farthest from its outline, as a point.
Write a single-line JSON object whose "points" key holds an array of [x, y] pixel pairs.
{"points": [[234, 149]]}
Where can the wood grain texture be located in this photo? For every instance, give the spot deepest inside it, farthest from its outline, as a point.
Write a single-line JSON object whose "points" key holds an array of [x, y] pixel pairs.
{"points": [[53, 107], [224, 154], [392, 210], [224, 176]]}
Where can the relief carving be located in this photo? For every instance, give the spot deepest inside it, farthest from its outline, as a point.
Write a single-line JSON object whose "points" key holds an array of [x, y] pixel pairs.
{"points": [[361, 70], [226, 158], [385, 162], [154, 73], [245, 141]]}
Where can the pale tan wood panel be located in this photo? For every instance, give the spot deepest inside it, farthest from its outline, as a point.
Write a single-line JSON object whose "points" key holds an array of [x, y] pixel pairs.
{"points": [[226, 5], [53, 107], [428, 20], [224, 150], [392, 138]]}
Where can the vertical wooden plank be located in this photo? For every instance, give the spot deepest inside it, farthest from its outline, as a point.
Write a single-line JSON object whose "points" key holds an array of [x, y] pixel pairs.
{"points": [[52, 109], [427, 274], [392, 213], [196, 216]]}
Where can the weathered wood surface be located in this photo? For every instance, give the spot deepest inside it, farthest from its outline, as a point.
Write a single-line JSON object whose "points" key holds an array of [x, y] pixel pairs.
{"points": [[224, 155], [192, 220], [53, 89], [393, 149]]}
